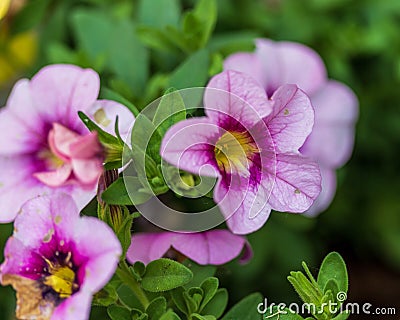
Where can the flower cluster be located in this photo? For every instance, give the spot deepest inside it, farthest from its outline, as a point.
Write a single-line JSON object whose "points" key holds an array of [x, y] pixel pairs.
{"points": [[274, 131]]}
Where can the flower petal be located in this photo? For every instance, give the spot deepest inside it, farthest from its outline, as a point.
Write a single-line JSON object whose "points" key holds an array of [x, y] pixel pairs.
{"points": [[60, 91], [60, 140], [16, 137], [86, 147], [244, 206], [54, 178], [248, 63], [291, 120], [104, 114], [292, 63], [327, 193], [87, 171], [297, 185], [147, 247], [189, 145], [210, 247], [17, 185], [235, 95], [332, 139], [76, 307]]}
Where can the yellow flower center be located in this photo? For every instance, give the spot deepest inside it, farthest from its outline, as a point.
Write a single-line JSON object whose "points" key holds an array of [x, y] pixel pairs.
{"points": [[234, 151], [61, 278]]}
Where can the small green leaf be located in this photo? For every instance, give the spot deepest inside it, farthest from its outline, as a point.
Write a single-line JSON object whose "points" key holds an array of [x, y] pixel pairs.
{"points": [[124, 233], [165, 274], [281, 314], [199, 23], [106, 296], [118, 313], [196, 316], [190, 303], [159, 13], [104, 136], [196, 294], [179, 300], [342, 316], [157, 308], [126, 191], [146, 137], [217, 305], [210, 287], [332, 285], [170, 315], [116, 193], [245, 309], [333, 267], [200, 273], [170, 110], [193, 72], [139, 268]]}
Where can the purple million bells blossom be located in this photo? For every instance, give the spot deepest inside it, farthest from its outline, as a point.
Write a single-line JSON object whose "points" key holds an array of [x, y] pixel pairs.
{"points": [[57, 260], [209, 247], [44, 146], [251, 145], [336, 107]]}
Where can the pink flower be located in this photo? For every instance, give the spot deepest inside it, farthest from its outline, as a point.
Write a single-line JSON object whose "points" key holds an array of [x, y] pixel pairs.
{"points": [[57, 260], [209, 247], [44, 146], [250, 144], [336, 108]]}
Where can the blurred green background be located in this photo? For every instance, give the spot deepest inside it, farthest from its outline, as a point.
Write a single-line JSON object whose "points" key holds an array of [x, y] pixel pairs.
{"points": [[137, 55]]}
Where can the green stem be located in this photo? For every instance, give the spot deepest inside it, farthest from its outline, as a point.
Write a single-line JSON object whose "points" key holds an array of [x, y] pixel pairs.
{"points": [[125, 275]]}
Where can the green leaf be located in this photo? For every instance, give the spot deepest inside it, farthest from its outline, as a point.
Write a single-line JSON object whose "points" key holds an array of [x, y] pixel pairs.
{"points": [[170, 110], [124, 232], [140, 268], [146, 137], [104, 136], [157, 308], [31, 15], [165, 274], [245, 309], [118, 313], [200, 22], [332, 285], [196, 294], [193, 72], [342, 316], [92, 30], [159, 13], [190, 303], [101, 34], [281, 314], [116, 193], [200, 273], [333, 267], [217, 305], [196, 316], [133, 73], [170, 315], [126, 191], [106, 296], [210, 287], [179, 300]]}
